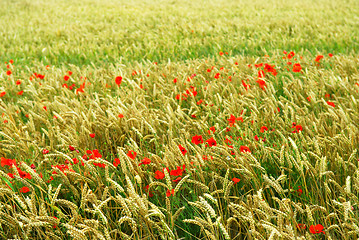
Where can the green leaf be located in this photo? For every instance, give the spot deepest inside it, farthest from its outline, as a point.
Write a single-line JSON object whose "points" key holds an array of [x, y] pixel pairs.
{"points": [[8, 183]]}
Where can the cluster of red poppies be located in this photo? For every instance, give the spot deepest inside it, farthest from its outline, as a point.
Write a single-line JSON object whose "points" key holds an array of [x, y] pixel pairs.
{"points": [[314, 229]]}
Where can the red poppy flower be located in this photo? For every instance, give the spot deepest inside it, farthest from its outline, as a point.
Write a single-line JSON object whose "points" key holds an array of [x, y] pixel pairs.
{"points": [[182, 149], [71, 148], [18, 82], [200, 101], [23, 174], [61, 167], [244, 149], [232, 120], [258, 65], [191, 91], [299, 190], [236, 180], [256, 138], [118, 80], [145, 161], [290, 55], [8, 72], [331, 103], [66, 78], [85, 157], [95, 154], [2, 94], [330, 55], [270, 68], [211, 142], [297, 67], [101, 165], [24, 190], [45, 151], [159, 175], [301, 226], [50, 179], [75, 160], [211, 129], [299, 128], [261, 74], [217, 75], [120, 115], [221, 53], [81, 88], [309, 98], [116, 162], [150, 194], [197, 139], [179, 171], [7, 162], [69, 73], [316, 229], [177, 179], [261, 83], [169, 193], [92, 135], [131, 154], [20, 93], [55, 225], [246, 86], [318, 58], [264, 128]]}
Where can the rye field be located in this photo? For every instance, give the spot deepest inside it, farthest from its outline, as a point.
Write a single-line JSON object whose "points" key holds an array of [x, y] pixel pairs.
{"points": [[228, 119]]}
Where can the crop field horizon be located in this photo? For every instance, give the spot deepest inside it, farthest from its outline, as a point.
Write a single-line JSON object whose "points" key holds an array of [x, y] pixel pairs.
{"points": [[105, 32], [179, 120]]}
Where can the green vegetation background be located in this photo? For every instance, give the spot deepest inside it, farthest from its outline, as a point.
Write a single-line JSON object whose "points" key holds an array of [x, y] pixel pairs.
{"points": [[107, 31]]}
